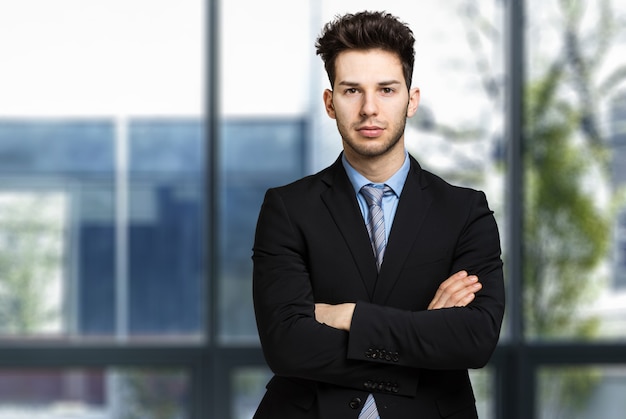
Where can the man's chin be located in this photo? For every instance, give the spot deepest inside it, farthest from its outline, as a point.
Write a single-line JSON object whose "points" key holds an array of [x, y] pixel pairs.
{"points": [[372, 149]]}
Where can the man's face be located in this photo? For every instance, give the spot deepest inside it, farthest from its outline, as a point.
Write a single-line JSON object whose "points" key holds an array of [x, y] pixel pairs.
{"points": [[370, 102]]}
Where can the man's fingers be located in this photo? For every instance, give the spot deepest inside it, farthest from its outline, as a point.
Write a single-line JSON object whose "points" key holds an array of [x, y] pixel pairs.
{"points": [[458, 290], [445, 287], [467, 299]]}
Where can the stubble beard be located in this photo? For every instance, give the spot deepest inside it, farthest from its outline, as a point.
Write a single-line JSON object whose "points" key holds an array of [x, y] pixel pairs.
{"points": [[365, 149]]}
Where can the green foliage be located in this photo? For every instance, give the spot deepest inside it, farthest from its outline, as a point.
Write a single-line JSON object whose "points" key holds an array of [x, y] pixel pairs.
{"points": [[567, 226], [567, 215], [566, 232], [30, 257], [565, 391]]}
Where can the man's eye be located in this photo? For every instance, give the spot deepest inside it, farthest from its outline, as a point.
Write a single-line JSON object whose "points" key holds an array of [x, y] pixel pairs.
{"points": [[351, 91], [387, 90]]}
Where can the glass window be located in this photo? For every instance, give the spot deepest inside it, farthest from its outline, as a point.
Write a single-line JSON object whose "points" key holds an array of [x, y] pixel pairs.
{"points": [[581, 392], [122, 220], [32, 230], [102, 170], [94, 393], [483, 383], [574, 171], [248, 388], [617, 144], [166, 211], [256, 154]]}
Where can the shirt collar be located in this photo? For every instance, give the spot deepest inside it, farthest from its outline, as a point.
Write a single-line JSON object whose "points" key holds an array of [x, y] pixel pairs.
{"points": [[395, 182]]}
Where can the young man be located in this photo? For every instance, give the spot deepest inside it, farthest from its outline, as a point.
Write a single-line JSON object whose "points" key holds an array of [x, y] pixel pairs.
{"points": [[366, 288]]}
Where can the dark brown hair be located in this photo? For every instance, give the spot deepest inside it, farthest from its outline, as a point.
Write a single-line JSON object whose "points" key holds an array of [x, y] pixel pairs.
{"points": [[363, 31]]}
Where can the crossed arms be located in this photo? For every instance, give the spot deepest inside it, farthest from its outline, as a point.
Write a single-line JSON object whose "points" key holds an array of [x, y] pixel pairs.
{"points": [[457, 291]]}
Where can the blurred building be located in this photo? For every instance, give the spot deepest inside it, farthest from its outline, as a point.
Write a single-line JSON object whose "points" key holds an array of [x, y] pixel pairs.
{"points": [[162, 214]]}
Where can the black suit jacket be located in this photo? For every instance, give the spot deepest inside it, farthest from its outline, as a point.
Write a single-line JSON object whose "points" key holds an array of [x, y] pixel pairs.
{"points": [[312, 246]]}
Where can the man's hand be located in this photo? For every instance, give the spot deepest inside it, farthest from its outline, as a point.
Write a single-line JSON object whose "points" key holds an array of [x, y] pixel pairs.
{"points": [[338, 316], [457, 291]]}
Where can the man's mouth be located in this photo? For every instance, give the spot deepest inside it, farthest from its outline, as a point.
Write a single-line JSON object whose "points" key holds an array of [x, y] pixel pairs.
{"points": [[370, 131]]}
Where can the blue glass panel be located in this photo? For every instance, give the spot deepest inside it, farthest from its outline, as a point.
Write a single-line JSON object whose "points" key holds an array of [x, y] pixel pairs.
{"points": [[256, 154], [57, 147]]}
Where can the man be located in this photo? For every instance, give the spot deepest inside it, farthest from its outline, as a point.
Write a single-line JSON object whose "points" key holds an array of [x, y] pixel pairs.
{"points": [[374, 311]]}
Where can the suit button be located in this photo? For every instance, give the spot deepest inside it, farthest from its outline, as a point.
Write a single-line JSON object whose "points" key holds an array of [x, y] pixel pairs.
{"points": [[355, 403]]}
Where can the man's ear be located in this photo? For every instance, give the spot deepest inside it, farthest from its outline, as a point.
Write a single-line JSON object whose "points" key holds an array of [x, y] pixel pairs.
{"points": [[328, 103], [414, 101]]}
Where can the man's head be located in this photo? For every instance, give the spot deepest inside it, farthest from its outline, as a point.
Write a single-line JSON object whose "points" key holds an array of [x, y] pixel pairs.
{"points": [[364, 31]]}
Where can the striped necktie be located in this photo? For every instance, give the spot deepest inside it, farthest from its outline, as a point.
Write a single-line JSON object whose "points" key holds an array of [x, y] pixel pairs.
{"points": [[369, 410], [376, 230], [376, 221]]}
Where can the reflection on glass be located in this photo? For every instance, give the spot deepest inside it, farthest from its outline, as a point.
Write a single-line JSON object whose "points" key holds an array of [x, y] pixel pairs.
{"points": [[256, 154], [32, 231], [94, 394], [581, 392], [101, 235], [166, 227], [483, 385], [248, 388], [574, 179], [102, 170]]}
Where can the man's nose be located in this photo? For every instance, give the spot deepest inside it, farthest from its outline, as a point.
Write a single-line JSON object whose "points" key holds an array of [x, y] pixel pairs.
{"points": [[369, 106]]}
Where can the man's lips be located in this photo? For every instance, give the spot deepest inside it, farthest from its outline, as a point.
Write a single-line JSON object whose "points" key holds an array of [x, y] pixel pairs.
{"points": [[370, 131]]}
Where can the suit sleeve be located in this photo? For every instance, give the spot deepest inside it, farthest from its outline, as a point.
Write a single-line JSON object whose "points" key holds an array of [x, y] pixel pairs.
{"points": [[451, 338], [294, 343]]}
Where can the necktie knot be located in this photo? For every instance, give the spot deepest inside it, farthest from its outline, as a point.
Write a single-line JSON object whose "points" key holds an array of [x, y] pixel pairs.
{"points": [[374, 195]]}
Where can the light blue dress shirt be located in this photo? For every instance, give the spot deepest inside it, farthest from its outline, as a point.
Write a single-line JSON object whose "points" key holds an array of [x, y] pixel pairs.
{"points": [[390, 201]]}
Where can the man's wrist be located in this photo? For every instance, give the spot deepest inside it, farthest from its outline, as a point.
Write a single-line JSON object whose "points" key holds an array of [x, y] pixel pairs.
{"points": [[348, 313]]}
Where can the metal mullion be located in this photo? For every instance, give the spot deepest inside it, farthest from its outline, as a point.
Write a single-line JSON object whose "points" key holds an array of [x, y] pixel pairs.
{"points": [[189, 359], [514, 48], [212, 393], [201, 395], [576, 353], [515, 383], [101, 356], [206, 380]]}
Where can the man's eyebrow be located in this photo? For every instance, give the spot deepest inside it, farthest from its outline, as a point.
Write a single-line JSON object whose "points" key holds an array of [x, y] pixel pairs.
{"points": [[348, 83], [389, 82], [381, 83]]}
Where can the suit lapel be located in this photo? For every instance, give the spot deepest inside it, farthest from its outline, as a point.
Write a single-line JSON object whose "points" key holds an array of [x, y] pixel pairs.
{"points": [[341, 202], [410, 214]]}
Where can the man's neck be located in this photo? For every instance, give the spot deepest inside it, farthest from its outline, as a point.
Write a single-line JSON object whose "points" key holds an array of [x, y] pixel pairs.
{"points": [[380, 168]]}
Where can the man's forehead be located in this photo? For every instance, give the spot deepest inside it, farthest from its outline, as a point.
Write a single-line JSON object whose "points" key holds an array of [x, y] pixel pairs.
{"points": [[351, 54], [368, 66]]}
